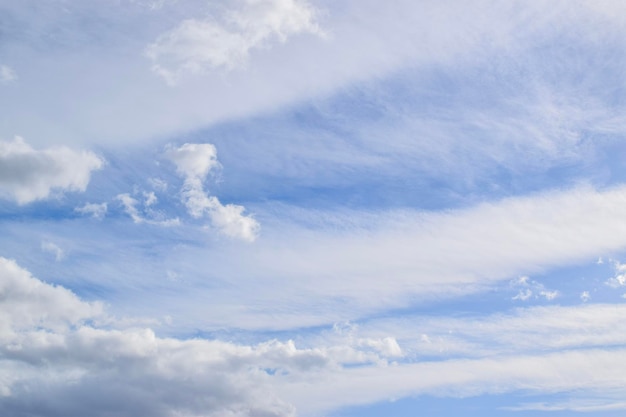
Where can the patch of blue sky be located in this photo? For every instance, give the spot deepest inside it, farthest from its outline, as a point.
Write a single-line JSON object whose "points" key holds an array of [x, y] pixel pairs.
{"points": [[508, 404]]}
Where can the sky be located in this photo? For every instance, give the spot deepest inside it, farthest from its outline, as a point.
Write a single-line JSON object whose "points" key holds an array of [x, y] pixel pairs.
{"points": [[314, 208]]}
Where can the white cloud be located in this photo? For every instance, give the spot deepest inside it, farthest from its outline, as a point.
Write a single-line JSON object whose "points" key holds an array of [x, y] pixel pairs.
{"points": [[57, 361], [194, 162], [619, 279], [523, 295], [344, 265], [582, 372], [146, 215], [150, 198], [54, 249], [530, 287], [7, 75], [29, 303], [549, 295], [387, 346], [27, 174], [62, 356], [97, 211], [197, 45], [130, 207]]}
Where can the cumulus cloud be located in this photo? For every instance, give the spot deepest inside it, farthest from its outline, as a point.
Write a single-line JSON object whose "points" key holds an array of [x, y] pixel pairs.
{"points": [[7, 74], [27, 175], [58, 361], [194, 162], [97, 211], [197, 45], [28, 303]]}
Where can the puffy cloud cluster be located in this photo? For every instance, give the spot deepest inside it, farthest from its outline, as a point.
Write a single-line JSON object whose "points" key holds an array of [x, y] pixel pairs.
{"points": [[61, 356], [194, 162], [200, 44], [27, 174]]}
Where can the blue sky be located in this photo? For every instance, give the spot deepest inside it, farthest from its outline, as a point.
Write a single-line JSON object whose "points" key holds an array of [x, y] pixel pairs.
{"points": [[312, 208]]}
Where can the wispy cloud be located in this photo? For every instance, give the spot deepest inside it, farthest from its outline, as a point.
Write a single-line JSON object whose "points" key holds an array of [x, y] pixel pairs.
{"points": [[54, 249], [527, 288], [146, 214], [7, 75], [95, 210]]}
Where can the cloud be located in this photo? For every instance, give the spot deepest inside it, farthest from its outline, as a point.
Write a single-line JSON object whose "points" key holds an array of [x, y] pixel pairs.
{"points": [[197, 45], [194, 162], [584, 373], [27, 175], [7, 75], [146, 215], [29, 303], [357, 263], [54, 249], [97, 211], [619, 278], [531, 287], [63, 356]]}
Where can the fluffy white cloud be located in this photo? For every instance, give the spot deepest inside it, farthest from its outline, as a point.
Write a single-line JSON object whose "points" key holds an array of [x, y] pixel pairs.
{"points": [[194, 162], [7, 74], [28, 303], [197, 45], [27, 174]]}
